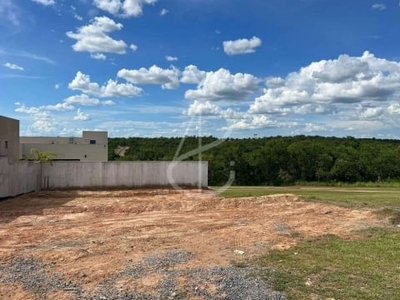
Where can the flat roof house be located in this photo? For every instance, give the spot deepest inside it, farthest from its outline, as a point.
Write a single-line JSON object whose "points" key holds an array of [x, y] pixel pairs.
{"points": [[91, 147]]}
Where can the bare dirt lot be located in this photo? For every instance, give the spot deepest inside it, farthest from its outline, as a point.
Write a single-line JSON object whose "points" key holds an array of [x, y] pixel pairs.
{"points": [[153, 244]]}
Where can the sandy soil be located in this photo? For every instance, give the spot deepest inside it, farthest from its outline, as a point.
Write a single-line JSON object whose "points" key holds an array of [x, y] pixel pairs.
{"points": [[90, 235]]}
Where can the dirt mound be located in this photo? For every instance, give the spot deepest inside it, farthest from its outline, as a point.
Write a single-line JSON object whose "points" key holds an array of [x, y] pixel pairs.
{"points": [[136, 202]]}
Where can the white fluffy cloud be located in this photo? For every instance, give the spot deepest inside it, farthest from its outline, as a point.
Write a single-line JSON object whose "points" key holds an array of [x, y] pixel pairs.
{"points": [[241, 46], [222, 85], [164, 11], [99, 56], [112, 88], [133, 47], [82, 83], [350, 95], [85, 100], [123, 8], [253, 122], [37, 110], [198, 108], [115, 89], [24, 109], [171, 58], [310, 108], [94, 37], [167, 78], [378, 6], [78, 17], [394, 109], [10, 12], [111, 6], [193, 75], [13, 66], [42, 120], [59, 107], [371, 112], [344, 80], [207, 108], [80, 116], [45, 2]]}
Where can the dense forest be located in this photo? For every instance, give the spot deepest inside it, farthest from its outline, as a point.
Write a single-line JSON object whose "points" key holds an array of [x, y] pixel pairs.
{"points": [[275, 160]]}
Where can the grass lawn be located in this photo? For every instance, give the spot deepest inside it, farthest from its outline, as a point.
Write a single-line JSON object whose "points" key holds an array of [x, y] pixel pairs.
{"points": [[333, 268]]}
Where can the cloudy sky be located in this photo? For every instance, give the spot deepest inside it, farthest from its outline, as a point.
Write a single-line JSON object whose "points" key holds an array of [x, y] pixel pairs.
{"points": [[234, 68]]}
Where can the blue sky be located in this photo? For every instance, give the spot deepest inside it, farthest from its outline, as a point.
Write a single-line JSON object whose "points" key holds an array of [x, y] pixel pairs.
{"points": [[212, 67]]}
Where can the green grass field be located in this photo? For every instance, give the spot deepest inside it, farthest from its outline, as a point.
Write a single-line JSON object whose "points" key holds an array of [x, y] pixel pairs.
{"points": [[330, 267]]}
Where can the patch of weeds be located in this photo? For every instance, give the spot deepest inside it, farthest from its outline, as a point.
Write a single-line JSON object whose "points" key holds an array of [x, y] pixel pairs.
{"points": [[282, 281], [392, 213], [395, 218], [331, 267]]}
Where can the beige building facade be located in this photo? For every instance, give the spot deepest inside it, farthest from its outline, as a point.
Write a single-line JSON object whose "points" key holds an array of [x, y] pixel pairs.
{"points": [[9, 139], [91, 147]]}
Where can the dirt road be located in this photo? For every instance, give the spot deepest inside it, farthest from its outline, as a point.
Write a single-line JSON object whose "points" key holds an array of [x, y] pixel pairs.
{"points": [[152, 244]]}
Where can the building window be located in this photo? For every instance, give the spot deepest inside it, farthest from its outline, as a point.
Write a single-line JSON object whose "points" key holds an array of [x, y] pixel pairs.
{"points": [[6, 144], [92, 142]]}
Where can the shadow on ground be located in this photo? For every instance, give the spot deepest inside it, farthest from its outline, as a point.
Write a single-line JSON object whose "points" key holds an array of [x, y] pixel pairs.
{"points": [[31, 204]]}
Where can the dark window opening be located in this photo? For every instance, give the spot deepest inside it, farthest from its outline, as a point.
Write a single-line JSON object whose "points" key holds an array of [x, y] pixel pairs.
{"points": [[92, 142], [6, 144], [66, 159]]}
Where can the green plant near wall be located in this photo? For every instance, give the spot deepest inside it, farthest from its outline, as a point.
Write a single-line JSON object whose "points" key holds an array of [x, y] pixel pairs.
{"points": [[42, 157]]}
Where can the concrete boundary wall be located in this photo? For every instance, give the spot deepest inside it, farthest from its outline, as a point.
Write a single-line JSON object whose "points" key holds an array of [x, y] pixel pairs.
{"points": [[25, 176], [126, 174], [18, 178]]}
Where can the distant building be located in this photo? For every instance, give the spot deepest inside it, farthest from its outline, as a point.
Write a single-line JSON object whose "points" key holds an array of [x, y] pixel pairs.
{"points": [[19, 176], [91, 147], [9, 139]]}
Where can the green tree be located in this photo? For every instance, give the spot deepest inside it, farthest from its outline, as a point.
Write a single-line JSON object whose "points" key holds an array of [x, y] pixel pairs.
{"points": [[277, 160], [42, 157]]}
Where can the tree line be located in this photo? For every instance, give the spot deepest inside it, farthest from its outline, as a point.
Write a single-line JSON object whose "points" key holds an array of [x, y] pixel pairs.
{"points": [[276, 160]]}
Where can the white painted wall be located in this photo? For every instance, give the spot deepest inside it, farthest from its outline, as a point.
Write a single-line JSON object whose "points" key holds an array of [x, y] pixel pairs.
{"points": [[18, 178], [126, 174], [24, 176]]}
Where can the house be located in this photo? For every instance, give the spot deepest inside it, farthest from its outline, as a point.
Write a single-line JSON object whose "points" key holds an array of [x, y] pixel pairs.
{"points": [[83, 163], [9, 139], [91, 147], [16, 177]]}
